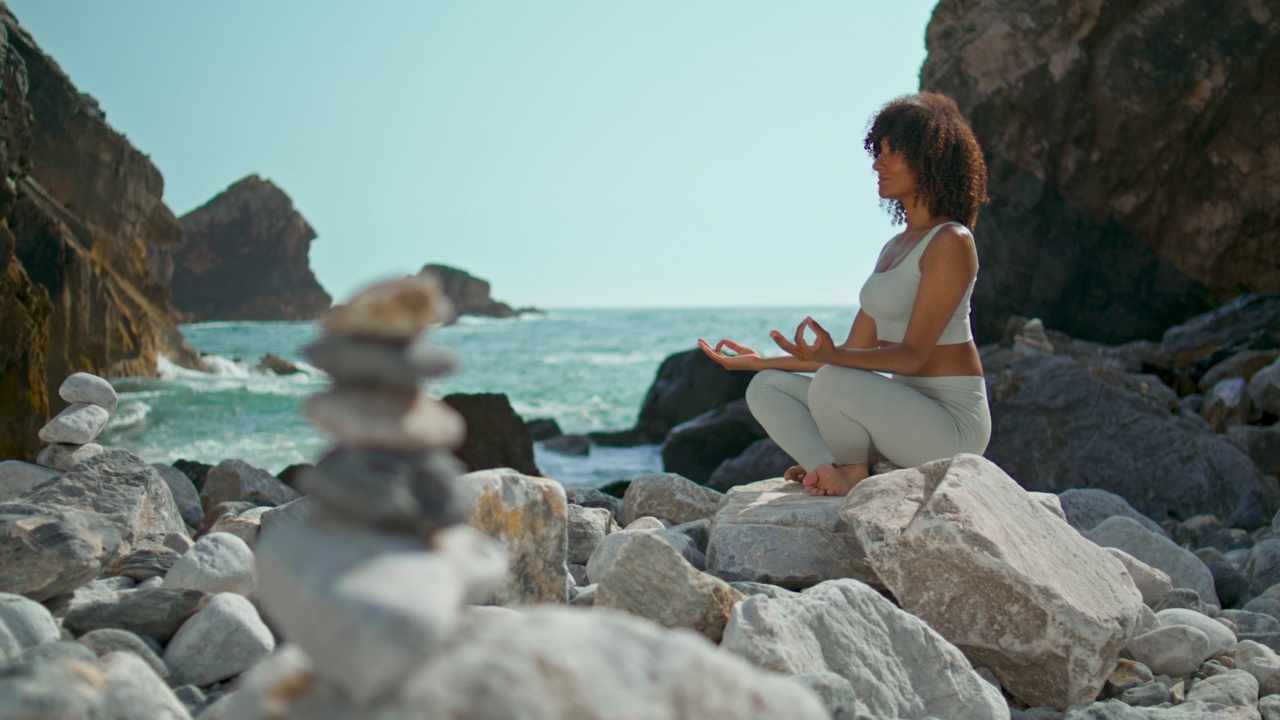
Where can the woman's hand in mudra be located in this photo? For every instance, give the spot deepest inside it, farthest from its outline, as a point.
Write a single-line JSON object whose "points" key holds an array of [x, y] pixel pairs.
{"points": [[743, 358], [823, 349]]}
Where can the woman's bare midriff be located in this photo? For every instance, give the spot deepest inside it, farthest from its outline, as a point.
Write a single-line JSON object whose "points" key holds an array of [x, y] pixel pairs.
{"points": [[946, 360]]}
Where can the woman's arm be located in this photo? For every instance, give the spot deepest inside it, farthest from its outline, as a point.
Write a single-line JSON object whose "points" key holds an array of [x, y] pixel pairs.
{"points": [[948, 266]]}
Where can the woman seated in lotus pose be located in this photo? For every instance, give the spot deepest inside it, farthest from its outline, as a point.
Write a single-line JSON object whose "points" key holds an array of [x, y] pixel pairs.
{"points": [[913, 322]]}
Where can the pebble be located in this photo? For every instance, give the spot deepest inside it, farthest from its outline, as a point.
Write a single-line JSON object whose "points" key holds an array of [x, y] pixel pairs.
{"points": [[358, 361], [394, 311], [78, 424], [83, 387], [378, 419], [1176, 650], [219, 642], [62, 456], [218, 563], [30, 622]]}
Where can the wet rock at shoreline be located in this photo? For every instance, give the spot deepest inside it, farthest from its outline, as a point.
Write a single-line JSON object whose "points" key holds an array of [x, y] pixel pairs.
{"points": [[496, 436], [762, 460], [238, 481], [696, 448]]}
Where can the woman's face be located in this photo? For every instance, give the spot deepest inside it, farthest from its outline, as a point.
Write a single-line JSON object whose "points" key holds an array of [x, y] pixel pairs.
{"points": [[896, 181]]}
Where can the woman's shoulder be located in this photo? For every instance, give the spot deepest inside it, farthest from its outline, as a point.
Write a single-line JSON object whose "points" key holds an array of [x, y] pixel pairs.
{"points": [[952, 242]]}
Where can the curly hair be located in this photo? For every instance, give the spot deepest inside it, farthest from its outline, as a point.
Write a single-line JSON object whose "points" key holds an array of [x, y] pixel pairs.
{"points": [[941, 150]]}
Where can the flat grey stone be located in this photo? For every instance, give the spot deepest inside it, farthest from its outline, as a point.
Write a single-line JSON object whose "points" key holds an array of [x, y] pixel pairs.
{"points": [[1221, 639], [153, 612], [360, 361], [80, 423], [220, 641], [410, 492], [395, 421], [1086, 508], [64, 457], [218, 563], [17, 478], [83, 387], [147, 562], [670, 497]]}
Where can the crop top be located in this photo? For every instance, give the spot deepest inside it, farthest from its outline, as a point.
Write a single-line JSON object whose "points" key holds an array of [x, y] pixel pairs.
{"points": [[889, 296]]}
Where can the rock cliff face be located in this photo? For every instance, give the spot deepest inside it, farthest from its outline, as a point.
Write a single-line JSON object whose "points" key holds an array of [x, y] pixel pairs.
{"points": [[244, 257], [81, 211], [1134, 152], [469, 295]]}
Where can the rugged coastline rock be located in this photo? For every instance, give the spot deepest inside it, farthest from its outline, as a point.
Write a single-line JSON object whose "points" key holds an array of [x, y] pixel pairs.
{"points": [[469, 294], [1133, 153], [244, 257], [83, 217]]}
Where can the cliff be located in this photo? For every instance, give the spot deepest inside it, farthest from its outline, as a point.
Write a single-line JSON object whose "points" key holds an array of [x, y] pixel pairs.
{"points": [[81, 211], [1134, 152], [244, 257], [469, 295]]}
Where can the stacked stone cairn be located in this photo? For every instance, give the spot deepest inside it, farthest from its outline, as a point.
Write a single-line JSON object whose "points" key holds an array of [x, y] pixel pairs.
{"points": [[70, 434]]}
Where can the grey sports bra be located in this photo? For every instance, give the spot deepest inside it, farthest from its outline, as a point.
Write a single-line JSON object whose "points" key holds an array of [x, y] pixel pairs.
{"points": [[889, 296]]}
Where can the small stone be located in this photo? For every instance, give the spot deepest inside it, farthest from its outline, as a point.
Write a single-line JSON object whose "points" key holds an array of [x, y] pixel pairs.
{"points": [[359, 361], [606, 552], [30, 622], [62, 456], [1185, 599], [585, 597], [392, 421], [1176, 650], [83, 387], [587, 527], [109, 640], [178, 542], [571, 445], [1146, 695], [404, 492], [1128, 674], [1251, 622], [278, 365], [1158, 551], [61, 649], [221, 510], [685, 597], [219, 563], [78, 424], [1087, 508], [287, 514], [394, 311], [220, 641], [147, 562], [670, 497], [1264, 389], [1152, 583], [592, 497], [246, 526], [1233, 688], [232, 480], [133, 690], [648, 522], [17, 478], [1221, 639], [1229, 583], [579, 574], [1226, 405]]}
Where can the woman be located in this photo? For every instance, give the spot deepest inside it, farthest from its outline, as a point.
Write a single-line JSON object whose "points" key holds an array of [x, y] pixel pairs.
{"points": [[913, 322]]}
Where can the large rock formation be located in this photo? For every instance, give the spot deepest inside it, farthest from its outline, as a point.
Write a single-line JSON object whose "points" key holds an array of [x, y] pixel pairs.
{"points": [[1134, 153], [244, 257], [82, 213], [469, 294]]}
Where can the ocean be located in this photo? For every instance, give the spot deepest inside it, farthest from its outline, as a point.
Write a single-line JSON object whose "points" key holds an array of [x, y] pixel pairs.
{"points": [[588, 369]]}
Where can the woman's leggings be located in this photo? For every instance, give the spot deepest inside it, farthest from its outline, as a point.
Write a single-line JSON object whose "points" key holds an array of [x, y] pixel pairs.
{"points": [[841, 415]]}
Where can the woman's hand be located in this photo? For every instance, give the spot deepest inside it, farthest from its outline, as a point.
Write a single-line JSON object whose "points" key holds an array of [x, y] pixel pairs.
{"points": [[823, 349], [744, 358]]}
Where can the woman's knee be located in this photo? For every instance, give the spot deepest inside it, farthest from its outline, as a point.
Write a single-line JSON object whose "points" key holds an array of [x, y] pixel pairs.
{"points": [[760, 386], [840, 385]]}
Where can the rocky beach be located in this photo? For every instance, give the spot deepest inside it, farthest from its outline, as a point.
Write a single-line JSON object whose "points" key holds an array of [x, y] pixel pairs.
{"points": [[1114, 554]]}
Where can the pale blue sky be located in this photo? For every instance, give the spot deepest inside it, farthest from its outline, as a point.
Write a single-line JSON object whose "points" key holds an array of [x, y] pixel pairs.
{"points": [[591, 153]]}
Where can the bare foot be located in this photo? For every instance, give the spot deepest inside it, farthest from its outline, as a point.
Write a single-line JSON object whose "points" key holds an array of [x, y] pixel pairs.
{"points": [[795, 473], [836, 481]]}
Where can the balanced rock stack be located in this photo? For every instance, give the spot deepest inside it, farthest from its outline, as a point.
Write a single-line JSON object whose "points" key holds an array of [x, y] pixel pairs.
{"points": [[367, 582], [70, 433]]}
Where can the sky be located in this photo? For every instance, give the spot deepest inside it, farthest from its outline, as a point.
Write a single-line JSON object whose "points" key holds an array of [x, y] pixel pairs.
{"points": [[595, 153]]}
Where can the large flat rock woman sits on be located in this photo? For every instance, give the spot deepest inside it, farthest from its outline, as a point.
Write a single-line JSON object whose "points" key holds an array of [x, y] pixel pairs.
{"points": [[913, 322]]}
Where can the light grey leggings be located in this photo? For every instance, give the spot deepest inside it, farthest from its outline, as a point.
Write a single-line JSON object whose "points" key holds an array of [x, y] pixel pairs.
{"points": [[842, 414]]}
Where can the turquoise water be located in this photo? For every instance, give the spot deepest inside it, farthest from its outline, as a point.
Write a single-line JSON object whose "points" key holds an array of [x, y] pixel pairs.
{"points": [[588, 369]]}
